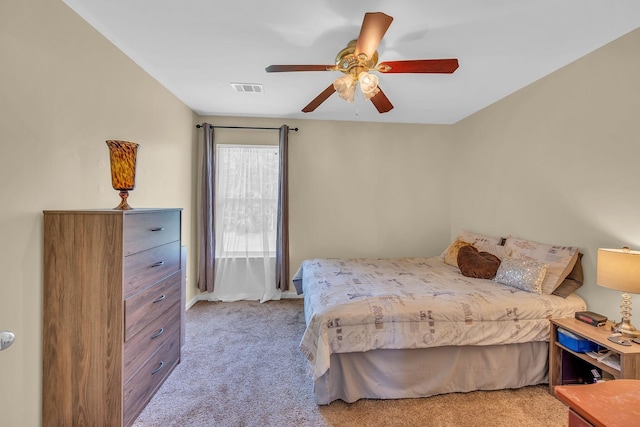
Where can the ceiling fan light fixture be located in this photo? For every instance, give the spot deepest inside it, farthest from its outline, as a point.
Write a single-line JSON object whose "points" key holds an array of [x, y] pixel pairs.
{"points": [[346, 87], [361, 56]]}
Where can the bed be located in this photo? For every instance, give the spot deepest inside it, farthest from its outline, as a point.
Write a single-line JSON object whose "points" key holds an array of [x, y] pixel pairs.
{"points": [[417, 327]]}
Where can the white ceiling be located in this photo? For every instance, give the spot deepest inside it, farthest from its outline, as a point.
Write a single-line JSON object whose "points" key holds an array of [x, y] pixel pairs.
{"points": [[196, 48]]}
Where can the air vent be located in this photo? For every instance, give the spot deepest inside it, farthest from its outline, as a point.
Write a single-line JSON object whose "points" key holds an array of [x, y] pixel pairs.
{"points": [[248, 87]]}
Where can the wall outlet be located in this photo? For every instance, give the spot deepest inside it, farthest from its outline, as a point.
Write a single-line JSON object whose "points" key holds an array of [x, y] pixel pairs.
{"points": [[6, 339]]}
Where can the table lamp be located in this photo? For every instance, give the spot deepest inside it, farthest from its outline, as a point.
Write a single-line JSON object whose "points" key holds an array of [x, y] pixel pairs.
{"points": [[620, 269]]}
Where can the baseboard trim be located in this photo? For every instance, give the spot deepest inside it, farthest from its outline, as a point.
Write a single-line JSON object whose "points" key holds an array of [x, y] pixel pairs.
{"points": [[290, 295], [192, 302], [204, 296]]}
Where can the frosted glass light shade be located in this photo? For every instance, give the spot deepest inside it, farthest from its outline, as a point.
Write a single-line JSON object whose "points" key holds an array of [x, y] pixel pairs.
{"points": [[368, 84], [346, 87]]}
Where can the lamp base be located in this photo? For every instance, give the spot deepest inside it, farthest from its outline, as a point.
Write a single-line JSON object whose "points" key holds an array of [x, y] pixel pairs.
{"points": [[123, 206], [626, 329]]}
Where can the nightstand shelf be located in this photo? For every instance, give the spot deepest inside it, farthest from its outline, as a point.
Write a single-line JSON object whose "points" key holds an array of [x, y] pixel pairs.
{"points": [[564, 361]]}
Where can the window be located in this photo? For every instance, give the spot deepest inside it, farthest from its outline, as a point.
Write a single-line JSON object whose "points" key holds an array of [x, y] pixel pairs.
{"points": [[246, 200]]}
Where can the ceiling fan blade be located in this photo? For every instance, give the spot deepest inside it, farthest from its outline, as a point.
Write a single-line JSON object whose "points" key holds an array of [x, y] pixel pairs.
{"points": [[419, 66], [374, 26], [319, 99], [381, 102], [284, 68]]}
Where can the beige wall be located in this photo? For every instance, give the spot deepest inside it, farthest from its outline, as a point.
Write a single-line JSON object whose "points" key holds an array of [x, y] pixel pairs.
{"points": [[557, 162], [360, 189], [64, 90]]}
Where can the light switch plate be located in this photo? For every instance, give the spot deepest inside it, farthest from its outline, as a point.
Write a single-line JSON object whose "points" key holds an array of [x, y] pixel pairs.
{"points": [[6, 339]]}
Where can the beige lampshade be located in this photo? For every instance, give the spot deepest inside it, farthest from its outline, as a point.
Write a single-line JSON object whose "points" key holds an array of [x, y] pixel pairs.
{"points": [[619, 269]]}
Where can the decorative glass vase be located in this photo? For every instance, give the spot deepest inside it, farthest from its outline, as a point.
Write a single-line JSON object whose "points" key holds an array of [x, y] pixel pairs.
{"points": [[122, 155]]}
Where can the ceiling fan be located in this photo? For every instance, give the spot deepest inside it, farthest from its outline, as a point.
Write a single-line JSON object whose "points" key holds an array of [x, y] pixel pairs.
{"points": [[361, 56]]}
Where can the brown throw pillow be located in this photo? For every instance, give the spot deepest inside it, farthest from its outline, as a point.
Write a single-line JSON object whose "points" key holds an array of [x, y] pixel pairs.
{"points": [[573, 281], [481, 265]]}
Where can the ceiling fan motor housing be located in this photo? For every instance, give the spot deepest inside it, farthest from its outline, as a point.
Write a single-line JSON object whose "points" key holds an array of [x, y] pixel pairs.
{"points": [[348, 63]]}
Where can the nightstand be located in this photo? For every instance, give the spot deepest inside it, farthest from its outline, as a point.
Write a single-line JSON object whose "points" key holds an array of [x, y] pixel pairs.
{"points": [[566, 365]]}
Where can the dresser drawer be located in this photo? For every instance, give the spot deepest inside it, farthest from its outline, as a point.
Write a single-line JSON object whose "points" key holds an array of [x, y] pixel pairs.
{"points": [[145, 268], [146, 342], [147, 230], [143, 384], [144, 307]]}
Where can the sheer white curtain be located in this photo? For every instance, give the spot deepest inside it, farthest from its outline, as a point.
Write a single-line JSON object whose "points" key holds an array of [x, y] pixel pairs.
{"points": [[246, 222]]}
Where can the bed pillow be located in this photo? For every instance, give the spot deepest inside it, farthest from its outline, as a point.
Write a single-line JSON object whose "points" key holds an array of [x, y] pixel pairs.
{"points": [[526, 274], [473, 263], [559, 259], [474, 239], [497, 250], [573, 281], [451, 256]]}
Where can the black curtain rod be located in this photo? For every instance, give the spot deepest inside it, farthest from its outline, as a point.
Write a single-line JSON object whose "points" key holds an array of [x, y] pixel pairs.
{"points": [[245, 127]]}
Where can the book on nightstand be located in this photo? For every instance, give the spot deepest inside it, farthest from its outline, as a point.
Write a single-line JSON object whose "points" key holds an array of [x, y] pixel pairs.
{"points": [[593, 319]]}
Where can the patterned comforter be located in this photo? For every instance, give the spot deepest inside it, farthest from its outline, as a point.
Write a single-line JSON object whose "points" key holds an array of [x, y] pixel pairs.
{"points": [[356, 305]]}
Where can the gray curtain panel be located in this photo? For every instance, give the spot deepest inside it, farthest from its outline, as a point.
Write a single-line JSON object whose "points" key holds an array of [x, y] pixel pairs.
{"points": [[206, 236], [282, 238]]}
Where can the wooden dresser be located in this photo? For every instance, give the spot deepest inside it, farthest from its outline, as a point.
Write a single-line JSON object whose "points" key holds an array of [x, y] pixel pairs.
{"points": [[112, 307]]}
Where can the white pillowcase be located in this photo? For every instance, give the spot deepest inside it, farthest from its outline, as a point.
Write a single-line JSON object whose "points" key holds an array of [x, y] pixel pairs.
{"points": [[559, 259], [526, 274], [475, 238], [497, 250]]}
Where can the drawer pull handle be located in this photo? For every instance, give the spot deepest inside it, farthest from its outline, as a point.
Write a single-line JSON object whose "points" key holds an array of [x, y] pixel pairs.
{"points": [[155, 371], [158, 229], [160, 332], [160, 299], [157, 264]]}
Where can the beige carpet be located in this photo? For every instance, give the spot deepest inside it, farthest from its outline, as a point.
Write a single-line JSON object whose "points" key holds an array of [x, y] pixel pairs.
{"points": [[241, 367]]}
